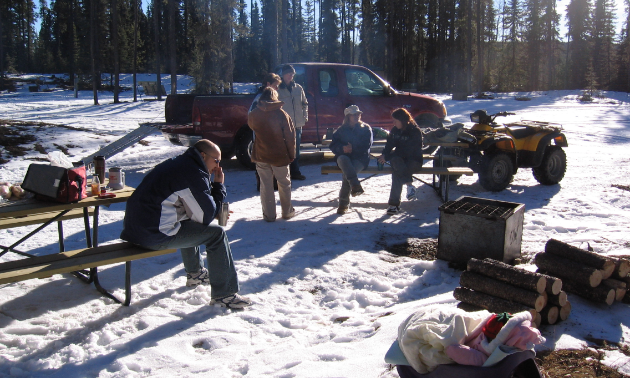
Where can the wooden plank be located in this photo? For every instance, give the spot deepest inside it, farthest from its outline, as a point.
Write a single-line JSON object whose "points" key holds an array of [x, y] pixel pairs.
{"points": [[331, 155], [78, 261], [41, 218], [326, 169]]}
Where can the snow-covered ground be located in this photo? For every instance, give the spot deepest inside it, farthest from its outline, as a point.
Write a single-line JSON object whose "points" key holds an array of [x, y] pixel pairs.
{"points": [[329, 298]]}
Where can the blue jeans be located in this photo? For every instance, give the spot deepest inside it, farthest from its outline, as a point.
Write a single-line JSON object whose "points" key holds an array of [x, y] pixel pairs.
{"points": [[350, 168], [401, 175], [295, 164], [223, 277]]}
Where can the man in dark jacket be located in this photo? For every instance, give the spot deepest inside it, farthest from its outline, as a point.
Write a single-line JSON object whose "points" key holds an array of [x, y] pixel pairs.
{"points": [[403, 150], [173, 207], [351, 145]]}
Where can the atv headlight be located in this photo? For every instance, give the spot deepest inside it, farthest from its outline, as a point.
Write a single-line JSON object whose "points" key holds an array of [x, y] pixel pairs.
{"points": [[474, 118]]}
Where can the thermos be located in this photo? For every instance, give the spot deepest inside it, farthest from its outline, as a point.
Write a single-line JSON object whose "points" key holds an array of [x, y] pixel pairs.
{"points": [[99, 168], [116, 178], [223, 213]]}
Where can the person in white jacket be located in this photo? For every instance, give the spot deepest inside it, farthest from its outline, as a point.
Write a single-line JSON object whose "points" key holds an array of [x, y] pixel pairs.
{"points": [[296, 105]]}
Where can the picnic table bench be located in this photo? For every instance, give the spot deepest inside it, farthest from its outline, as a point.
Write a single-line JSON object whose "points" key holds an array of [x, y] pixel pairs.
{"points": [[30, 212]]}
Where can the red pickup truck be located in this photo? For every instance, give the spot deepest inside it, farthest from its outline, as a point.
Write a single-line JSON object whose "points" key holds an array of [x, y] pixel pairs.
{"points": [[329, 88]]}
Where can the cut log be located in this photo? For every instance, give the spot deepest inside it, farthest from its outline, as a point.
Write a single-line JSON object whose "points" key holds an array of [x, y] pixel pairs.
{"points": [[565, 311], [600, 294], [567, 269], [469, 307], [490, 303], [558, 300], [622, 267], [626, 298], [507, 273], [554, 284], [537, 320], [576, 254], [502, 290], [549, 315], [619, 286]]}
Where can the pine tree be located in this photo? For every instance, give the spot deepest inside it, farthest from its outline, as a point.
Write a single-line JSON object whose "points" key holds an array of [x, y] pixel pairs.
{"points": [[579, 24]]}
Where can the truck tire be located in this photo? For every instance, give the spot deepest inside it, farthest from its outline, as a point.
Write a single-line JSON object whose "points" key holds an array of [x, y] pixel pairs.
{"points": [[497, 171], [553, 166], [428, 121], [243, 148]]}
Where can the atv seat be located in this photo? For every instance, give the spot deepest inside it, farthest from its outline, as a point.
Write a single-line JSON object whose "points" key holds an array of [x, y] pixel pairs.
{"points": [[520, 132]]}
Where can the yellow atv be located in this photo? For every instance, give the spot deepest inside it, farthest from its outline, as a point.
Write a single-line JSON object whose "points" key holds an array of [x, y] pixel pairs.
{"points": [[495, 151]]}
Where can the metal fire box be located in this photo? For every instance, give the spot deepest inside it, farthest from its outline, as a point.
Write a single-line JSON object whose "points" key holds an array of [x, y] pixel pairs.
{"points": [[480, 228]]}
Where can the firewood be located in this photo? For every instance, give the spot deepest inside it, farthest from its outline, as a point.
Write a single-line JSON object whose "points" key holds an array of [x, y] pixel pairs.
{"points": [[565, 311], [622, 267], [619, 286], [567, 269], [502, 290], [554, 284], [549, 315], [558, 300], [490, 303], [626, 298], [600, 294], [576, 254], [507, 273], [537, 320]]}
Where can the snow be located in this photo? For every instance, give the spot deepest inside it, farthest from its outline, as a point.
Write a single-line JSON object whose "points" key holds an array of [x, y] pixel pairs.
{"points": [[328, 297]]}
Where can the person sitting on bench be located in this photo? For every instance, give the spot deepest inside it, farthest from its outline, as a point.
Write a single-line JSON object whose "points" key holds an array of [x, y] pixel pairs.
{"points": [[173, 207], [403, 150], [351, 145]]}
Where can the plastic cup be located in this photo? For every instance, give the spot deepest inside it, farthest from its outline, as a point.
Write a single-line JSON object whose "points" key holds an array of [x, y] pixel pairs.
{"points": [[379, 165]]}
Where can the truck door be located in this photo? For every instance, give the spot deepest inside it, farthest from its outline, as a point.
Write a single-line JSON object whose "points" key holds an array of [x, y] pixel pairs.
{"points": [[329, 105], [371, 94]]}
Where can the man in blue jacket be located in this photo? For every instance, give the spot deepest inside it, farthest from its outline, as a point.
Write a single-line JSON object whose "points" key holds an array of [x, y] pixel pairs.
{"points": [[173, 207]]}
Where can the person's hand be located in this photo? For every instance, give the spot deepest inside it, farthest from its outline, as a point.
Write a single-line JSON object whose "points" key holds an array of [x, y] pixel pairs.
{"points": [[381, 159], [218, 175], [347, 149]]}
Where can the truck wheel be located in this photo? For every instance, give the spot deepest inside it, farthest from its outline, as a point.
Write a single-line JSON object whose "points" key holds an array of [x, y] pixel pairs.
{"points": [[428, 121], [554, 165], [243, 149], [497, 171]]}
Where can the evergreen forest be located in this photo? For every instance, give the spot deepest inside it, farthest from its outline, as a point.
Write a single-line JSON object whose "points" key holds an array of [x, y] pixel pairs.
{"points": [[434, 45]]}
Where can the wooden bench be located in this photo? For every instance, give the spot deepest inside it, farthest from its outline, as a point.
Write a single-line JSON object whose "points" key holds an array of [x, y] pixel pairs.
{"points": [[80, 259], [442, 173]]}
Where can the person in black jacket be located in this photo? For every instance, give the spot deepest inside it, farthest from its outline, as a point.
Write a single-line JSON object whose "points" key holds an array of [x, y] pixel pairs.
{"points": [[351, 145], [403, 150], [173, 207]]}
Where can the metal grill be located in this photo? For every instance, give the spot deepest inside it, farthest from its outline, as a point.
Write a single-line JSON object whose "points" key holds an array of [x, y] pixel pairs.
{"points": [[471, 208]]}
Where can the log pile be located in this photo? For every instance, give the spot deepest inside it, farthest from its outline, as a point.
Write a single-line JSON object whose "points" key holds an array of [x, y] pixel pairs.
{"points": [[499, 287], [588, 274]]}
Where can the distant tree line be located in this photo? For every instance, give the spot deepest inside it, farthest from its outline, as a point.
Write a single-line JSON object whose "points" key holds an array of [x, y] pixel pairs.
{"points": [[440, 45]]}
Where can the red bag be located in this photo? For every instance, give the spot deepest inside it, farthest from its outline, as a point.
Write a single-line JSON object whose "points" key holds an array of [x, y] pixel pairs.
{"points": [[58, 184]]}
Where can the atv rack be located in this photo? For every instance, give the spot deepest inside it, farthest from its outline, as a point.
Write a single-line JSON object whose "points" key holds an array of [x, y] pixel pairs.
{"points": [[540, 124]]}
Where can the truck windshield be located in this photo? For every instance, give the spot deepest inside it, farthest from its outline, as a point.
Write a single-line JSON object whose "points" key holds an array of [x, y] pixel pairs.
{"points": [[362, 83]]}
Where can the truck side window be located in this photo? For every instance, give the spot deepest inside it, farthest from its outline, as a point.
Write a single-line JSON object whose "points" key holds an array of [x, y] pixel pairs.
{"points": [[328, 82], [300, 76], [361, 83]]}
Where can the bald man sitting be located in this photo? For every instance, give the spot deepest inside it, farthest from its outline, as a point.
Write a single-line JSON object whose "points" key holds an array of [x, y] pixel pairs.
{"points": [[173, 207]]}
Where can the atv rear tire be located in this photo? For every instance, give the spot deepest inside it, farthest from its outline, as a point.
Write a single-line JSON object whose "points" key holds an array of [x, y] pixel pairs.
{"points": [[243, 149], [554, 165], [497, 171]]}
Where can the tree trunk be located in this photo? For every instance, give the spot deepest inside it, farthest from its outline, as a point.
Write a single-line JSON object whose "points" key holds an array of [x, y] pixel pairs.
{"points": [[567, 269], [578, 255], [172, 11], [549, 315], [565, 311], [619, 286], [554, 284], [600, 294], [116, 50], [156, 26], [502, 290], [558, 300], [490, 303], [507, 273], [622, 268]]}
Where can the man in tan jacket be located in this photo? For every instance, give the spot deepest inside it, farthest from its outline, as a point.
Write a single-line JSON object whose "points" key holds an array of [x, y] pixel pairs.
{"points": [[274, 150], [295, 104]]}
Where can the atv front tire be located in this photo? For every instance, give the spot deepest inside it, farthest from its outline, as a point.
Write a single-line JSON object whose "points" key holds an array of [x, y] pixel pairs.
{"points": [[497, 171], [554, 165]]}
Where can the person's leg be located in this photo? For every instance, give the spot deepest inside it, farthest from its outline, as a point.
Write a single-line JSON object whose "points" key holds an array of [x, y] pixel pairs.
{"points": [[348, 173], [398, 179], [295, 164], [267, 196], [222, 273], [284, 189]]}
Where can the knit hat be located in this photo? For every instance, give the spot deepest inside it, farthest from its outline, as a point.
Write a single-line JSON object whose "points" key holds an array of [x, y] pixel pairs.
{"points": [[352, 109], [494, 325], [287, 68]]}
